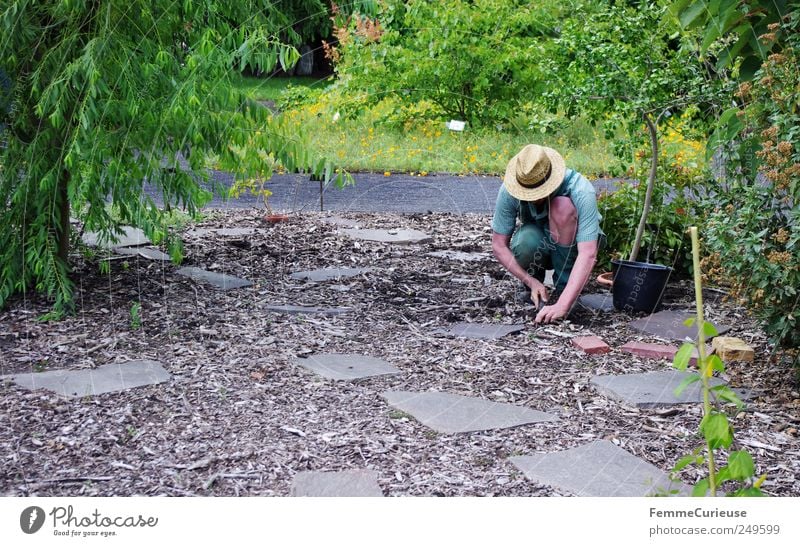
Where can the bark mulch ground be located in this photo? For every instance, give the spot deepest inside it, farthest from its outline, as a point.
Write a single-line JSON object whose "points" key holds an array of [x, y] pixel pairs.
{"points": [[239, 418]]}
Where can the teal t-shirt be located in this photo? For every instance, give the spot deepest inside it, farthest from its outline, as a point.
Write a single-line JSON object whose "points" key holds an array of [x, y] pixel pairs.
{"points": [[575, 186]]}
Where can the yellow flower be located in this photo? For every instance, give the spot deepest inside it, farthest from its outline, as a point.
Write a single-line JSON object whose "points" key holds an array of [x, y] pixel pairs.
{"points": [[387, 173]]}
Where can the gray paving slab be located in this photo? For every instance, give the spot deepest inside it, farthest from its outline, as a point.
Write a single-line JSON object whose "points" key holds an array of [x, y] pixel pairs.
{"points": [[218, 280], [307, 310], [460, 256], [654, 389], [130, 236], [475, 330], [346, 367], [397, 236], [598, 469], [329, 274], [223, 232], [101, 380], [341, 222], [145, 252], [452, 413], [669, 325], [347, 483], [603, 302]]}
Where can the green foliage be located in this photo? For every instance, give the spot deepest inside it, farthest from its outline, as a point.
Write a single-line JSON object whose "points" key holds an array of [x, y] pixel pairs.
{"points": [[753, 230], [136, 317], [613, 61], [715, 427], [616, 64], [735, 27], [107, 95], [476, 60], [665, 240]]}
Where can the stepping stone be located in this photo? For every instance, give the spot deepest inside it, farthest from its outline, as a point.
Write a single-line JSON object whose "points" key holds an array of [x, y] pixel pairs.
{"points": [[474, 330], [307, 309], [106, 378], [398, 236], [218, 280], [348, 483], [599, 469], [669, 325], [147, 253], [654, 389], [339, 221], [346, 367], [459, 256], [329, 274], [597, 302], [452, 413], [223, 232], [130, 236]]}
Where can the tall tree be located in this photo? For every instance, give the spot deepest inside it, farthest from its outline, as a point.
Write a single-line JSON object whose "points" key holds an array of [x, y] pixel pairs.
{"points": [[107, 94]]}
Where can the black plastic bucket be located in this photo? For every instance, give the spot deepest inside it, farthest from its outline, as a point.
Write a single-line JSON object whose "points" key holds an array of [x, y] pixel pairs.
{"points": [[638, 286]]}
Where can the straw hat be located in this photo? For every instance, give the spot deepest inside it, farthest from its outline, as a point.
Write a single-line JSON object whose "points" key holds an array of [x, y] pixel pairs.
{"points": [[534, 173]]}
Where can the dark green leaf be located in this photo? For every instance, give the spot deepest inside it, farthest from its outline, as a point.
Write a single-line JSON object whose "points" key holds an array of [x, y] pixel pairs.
{"points": [[682, 357], [716, 430], [701, 488], [709, 330], [741, 465], [688, 380]]}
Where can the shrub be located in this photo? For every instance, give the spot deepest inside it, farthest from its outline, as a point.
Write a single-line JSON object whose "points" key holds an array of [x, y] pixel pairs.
{"points": [[474, 59], [753, 232]]}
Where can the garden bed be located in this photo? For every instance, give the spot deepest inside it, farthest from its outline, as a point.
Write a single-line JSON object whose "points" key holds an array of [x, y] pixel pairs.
{"points": [[239, 418]]}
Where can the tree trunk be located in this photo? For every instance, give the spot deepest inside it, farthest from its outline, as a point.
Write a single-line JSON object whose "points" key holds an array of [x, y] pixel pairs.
{"points": [[62, 232], [651, 182]]}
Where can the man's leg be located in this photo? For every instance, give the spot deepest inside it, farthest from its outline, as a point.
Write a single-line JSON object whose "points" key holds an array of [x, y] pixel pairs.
{"points": [[563, 227], [530, 249]]}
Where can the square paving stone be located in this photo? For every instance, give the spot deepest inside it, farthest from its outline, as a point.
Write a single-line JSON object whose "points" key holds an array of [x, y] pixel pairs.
{"points": [[341, 222], [474, 330], [452, 413], [130, 236], [346, 366], [654, 389], [599, 469], [147, 253], [223, 232], [307, 310], [329, 274], [218, 280], [459, 256], [597, 302], [106, 378], [348, 483], [397, 236], [669, 325]]}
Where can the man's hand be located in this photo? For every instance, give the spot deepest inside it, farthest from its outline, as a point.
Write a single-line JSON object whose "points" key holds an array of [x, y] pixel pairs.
{"points": [[551, 313], [538, 291]]}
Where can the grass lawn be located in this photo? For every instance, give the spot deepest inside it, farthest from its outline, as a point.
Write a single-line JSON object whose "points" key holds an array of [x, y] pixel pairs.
{"points": [[271, 88], [371, 138]]}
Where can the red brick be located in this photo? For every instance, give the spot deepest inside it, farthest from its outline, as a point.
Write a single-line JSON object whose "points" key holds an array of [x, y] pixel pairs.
{"points": [[650, 350], [592, 345]]}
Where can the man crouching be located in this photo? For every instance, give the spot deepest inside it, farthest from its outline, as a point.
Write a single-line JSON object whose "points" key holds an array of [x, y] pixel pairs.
{"points": [[559, 228]]}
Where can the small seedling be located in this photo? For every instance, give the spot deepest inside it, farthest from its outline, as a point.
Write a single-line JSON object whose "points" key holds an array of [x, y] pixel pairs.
{"points": [[136, 317], [715, 427], [397, 414]]}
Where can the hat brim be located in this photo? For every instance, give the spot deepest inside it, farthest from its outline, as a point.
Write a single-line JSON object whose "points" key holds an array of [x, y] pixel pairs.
{"points": [[551, 184]]}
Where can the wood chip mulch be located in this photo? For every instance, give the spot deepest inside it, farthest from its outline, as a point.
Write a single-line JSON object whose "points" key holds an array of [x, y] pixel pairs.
{"points": [[239, 418]]}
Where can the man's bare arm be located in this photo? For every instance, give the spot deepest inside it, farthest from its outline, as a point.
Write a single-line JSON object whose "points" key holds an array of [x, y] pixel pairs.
{"points": [[587, 256], [501, 246]]}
